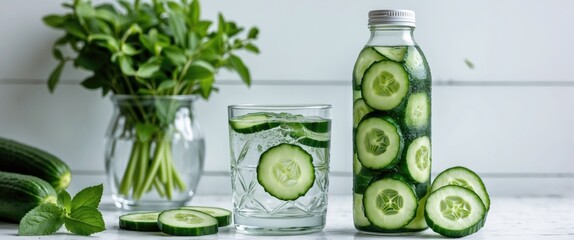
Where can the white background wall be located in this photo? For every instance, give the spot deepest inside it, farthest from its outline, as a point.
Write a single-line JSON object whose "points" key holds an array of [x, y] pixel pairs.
{"points": [[510, 118]]}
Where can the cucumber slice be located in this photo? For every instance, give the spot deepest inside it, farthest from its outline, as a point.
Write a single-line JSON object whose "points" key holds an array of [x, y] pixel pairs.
{"points": [[396, 54], [362, 180], [222, 215], [390, 203], [422, 189], [419, 222], [358, 212], [417, 166], [185, 222], [140, 221], [367, 57], [417, 113], [319, 137], [464, 177], [317, 124], [286, 171], [356, 165], [252, 123], [455, 211], [379, 142], [360, 109], [385, 85], [415, 64]]}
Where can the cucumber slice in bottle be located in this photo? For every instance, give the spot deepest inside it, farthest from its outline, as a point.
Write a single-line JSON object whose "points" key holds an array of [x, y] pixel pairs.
{"points": [[464, 177], [363, 179], [358, 212], [185, 222], [396, 54], [360, 109], [390, 203], [419, 222], [385, 85], [286, 171], [356, 165], [252, 123], [140, 221], [367, 57], [379, 142], [418, 160], [415, 64], [455, 211], [417, 113], [222, 215]]}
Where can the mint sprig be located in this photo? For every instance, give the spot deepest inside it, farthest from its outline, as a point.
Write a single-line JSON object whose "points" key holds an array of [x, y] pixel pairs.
{"points": [[80, 214]]}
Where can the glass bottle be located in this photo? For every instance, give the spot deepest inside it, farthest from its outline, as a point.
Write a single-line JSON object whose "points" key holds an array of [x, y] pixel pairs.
{"points": [[391, 128]]}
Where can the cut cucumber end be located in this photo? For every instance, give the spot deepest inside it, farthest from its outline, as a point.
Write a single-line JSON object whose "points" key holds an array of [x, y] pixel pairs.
{"points": [[185, 222], [286, 171], [454, 211]]}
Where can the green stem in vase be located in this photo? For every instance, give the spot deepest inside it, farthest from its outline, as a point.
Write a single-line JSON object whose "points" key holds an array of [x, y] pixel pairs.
{"points": [[126, 182]]}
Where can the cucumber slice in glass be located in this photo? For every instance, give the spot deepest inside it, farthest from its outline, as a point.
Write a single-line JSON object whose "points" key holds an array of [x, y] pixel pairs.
{"points": [[366, 57], [464, 177], [385, 85], [417, 166], [185, 222], [390, 203], [379, 142], [252, 123], [455, 211], [358, 212], [222, 215], [360, 109], [286, 171], [312, 134], [140, 221], [396, 54], [417, 112]]}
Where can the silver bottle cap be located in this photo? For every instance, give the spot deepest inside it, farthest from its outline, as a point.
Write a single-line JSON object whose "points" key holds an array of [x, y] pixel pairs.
{"points": [[392, 17]]}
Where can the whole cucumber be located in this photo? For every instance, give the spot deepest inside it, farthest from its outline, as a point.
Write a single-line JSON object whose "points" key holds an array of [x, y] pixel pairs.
{"points": [[17, 157], [21, 193]]}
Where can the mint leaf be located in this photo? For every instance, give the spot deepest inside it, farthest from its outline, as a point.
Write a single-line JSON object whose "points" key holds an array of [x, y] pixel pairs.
{"points": [[85, 221], [65, 201], [88, 197], [43, 220]]}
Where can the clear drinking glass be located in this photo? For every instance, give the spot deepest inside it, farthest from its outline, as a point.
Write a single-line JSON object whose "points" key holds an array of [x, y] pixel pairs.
{"points": [[279, 167]]}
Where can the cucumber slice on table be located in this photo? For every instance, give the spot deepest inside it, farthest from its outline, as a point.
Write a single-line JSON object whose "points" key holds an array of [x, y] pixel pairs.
{"points": [[390, 203], [367, 57], [418, 160], [385, 85], [222, 215], [379, 142], [396, 54], [252, 123], [360, 109], [464, 177], [286, 171], [185, 222], [140, 221], [455, 211], [417, 113]]}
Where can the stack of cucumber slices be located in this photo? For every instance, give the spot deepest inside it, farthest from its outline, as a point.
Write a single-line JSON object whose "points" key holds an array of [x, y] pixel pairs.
{"points": [[458, 203], [185, 221]]}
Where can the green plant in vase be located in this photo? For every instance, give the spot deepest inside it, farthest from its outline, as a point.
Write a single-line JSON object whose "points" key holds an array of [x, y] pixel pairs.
{"points": [[148, 49]]}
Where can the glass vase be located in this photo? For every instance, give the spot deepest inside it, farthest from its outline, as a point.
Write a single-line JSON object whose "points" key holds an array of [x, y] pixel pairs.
{"points": [[154, 151]]}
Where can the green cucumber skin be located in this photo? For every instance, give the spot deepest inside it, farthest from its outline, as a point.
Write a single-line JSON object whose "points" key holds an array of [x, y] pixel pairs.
{"points": [[177, 231], [139, 226], [374, 229], [21, 193], [455, 234], [20, 158]]}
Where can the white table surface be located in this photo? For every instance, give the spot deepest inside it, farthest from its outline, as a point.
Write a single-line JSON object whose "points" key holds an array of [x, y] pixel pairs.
{"points": [[509, 218]]}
